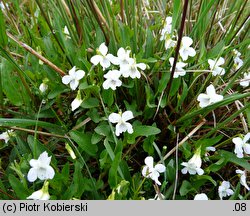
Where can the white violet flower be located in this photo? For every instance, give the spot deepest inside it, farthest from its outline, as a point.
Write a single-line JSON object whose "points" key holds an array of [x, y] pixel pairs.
{"points": [[166, 34], [103, 57], [238, 63], [43, 87], [123, 58], [185, 49], [237, 60], [73, 78], [42, 194], [224, 190], [77, 101], [179, 71], [210, 97], [6, 135], [243, 178], [193, 166], [151, 171], [121, 120], [131, 70], [158, 197], [201, 196], [236, 53], [214, 66], [246, 80], [169, 42], [167, 28], [66, 32], [41, 168], [242, 145], [112, 80], [208, 149]]}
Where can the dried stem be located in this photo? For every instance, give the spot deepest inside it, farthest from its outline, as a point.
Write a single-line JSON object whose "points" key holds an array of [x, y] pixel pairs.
{"points": [[185, 139], [29, 49], [178, 45]]}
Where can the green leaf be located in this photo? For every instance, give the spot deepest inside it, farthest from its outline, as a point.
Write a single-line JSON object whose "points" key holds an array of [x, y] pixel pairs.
{"points": [[95, 138], [207, 142], [30, 122], [112, 155], [120, 191], [150, 97], [183, 95], [186, 187], [170, 171], [148, 145], [217, 166], [175, 86], [113, 170], [77, 186], [214, 52], [59, 89], [142, 130], [206, 110], [94, 115], [90, 103], [163, 82], [12, 85], [206, 7], [3, 36], [149, 44], [236, 193], [3, 189], [18, 187], [203, 179], [234, 159], [103, 129], [84, 142], [176, 13]]}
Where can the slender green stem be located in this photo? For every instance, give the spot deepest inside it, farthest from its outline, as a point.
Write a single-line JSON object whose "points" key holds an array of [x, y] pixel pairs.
{"points": [[35, 153]]}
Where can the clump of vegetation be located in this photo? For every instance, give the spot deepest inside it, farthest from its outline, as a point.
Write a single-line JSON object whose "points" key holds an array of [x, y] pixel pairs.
{"points": [[124, 99]]}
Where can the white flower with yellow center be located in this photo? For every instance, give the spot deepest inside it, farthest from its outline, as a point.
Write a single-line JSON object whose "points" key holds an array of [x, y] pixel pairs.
{"points": [[151, 171], [103, 57], [121, 120]]}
